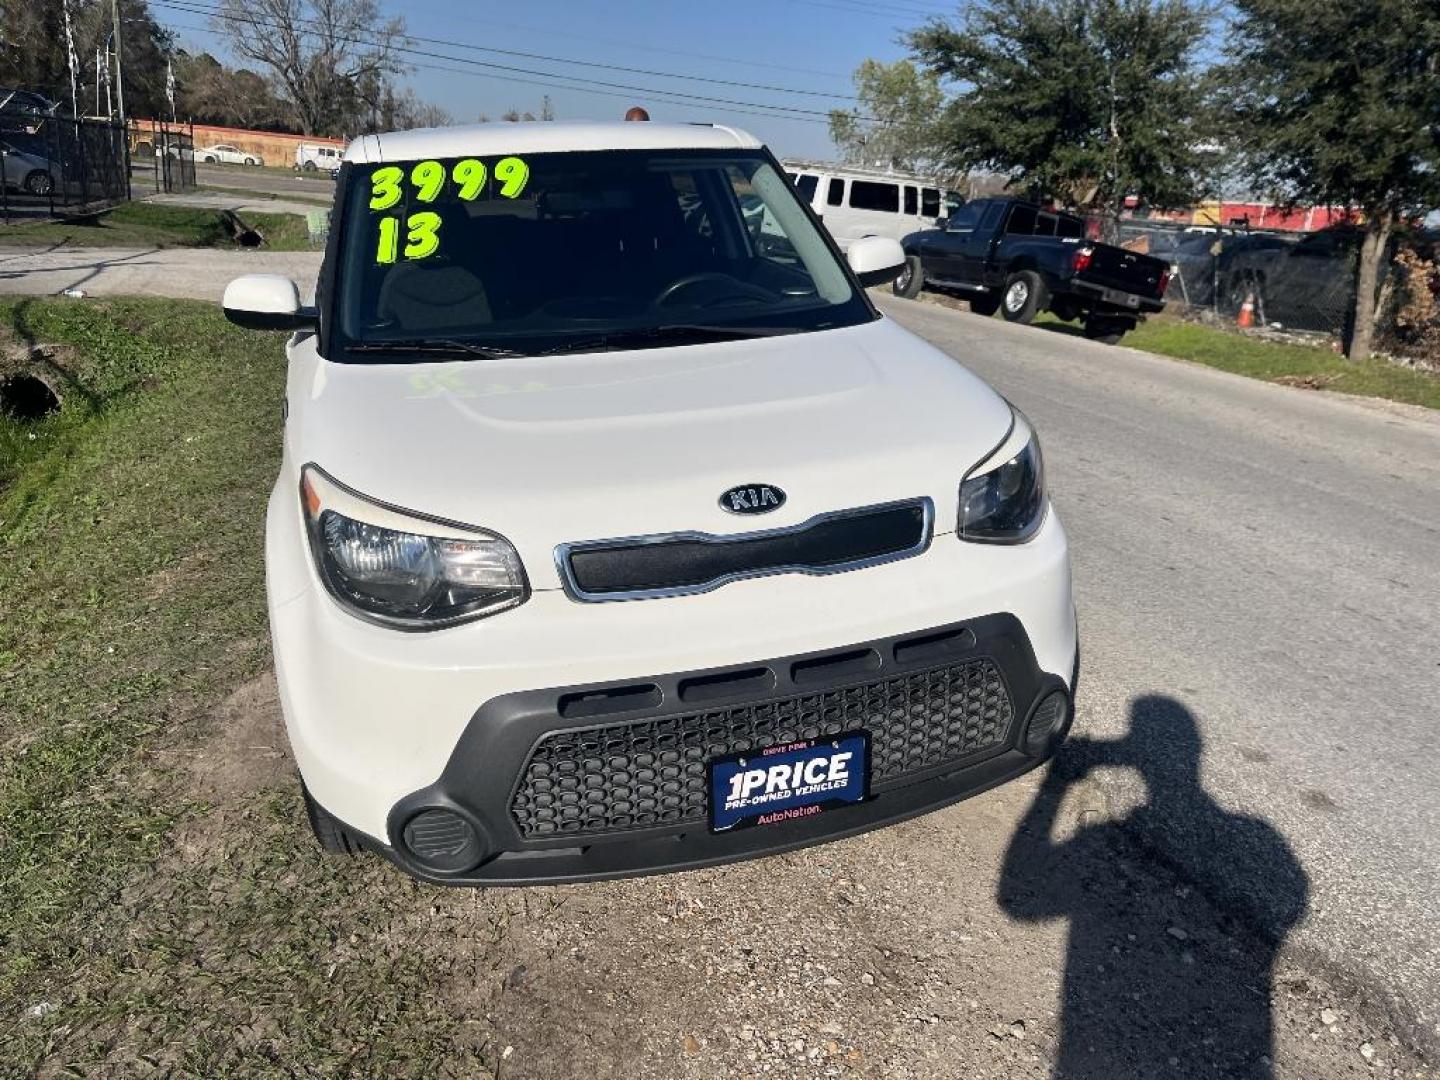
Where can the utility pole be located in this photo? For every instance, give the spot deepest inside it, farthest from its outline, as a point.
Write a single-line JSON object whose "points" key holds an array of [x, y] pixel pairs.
{"points": [[119, 72], [120, 99]]}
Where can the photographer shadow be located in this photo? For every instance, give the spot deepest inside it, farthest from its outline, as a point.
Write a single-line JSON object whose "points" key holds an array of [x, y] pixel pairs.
{"points": [[1168, 970]]}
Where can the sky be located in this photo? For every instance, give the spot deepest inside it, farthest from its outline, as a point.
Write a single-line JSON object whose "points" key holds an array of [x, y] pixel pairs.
{"points": [[759, 51]]}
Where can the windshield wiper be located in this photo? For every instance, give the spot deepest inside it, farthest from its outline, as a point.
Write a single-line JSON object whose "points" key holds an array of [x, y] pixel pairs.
{"points": [[435, 347], [656, 336]]}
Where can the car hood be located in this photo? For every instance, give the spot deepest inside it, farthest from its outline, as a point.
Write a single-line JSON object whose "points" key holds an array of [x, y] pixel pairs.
{"points": [[587, 447]]}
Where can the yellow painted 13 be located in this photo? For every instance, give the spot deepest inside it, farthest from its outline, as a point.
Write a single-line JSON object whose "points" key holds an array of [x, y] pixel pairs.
{"points": [[422, 237]]}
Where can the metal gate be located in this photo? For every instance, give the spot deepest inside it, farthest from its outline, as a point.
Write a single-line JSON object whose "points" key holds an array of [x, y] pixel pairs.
{"points": [[172, 148], [56, 165]]}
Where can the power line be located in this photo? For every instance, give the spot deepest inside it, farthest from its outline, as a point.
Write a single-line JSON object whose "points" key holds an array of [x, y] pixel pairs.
{"points": [[557, 85], [777, 111], [596, 64], [553, 32], [863, 7]]}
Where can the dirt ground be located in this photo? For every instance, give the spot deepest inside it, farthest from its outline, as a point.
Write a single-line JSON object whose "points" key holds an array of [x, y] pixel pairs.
{"points": [[1019, 934]]}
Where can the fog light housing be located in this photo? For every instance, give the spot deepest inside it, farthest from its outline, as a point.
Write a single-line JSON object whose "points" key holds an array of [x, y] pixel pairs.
{"points": [[1047, 724], [442, 841]]}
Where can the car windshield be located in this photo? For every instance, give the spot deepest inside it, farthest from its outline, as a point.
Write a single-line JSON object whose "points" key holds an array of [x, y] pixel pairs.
{"points": [[544, 253]]}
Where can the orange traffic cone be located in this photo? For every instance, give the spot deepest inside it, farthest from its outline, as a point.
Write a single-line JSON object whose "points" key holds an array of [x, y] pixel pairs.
{"points": [[1246, 319]]}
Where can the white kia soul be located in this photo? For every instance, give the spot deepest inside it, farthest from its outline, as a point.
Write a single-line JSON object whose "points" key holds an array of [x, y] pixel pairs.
{"points": [[617, 532]]}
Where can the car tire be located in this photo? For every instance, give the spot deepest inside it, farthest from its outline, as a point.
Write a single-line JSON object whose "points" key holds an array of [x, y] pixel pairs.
{"points": [[208, 160], [309, 166], [985, 304], [911, 279], [1107, 331], [332, 836], [1024, 297], [251, 161], [39, 182]]}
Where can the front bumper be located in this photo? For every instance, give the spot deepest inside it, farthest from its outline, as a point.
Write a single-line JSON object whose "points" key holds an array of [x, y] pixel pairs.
{"points": [[375, 716], [951, 711]]}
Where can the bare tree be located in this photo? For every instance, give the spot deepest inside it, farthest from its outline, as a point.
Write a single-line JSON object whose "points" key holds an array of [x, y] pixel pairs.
{"points": [[327, 57]]}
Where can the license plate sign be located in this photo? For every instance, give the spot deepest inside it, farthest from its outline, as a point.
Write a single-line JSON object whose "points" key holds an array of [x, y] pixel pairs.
{"points": [[789, 781]]}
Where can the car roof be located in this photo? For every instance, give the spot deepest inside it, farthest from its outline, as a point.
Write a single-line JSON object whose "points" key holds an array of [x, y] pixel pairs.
{"points": [[545, 136]]}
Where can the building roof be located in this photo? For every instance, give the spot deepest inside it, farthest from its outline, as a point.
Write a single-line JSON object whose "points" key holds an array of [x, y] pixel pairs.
{"points": [[544, 136]]}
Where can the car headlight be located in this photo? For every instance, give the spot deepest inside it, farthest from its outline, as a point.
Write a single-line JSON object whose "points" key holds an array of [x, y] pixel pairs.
{"points": [[1002, 499], [403, 570]]}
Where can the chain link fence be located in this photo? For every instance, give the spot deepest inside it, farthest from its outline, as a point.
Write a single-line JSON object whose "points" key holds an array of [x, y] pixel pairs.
{"points": [[1298, 282], [1301, 284], [54, 165]]}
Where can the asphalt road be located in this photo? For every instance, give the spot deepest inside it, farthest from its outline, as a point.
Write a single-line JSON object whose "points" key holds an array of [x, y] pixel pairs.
{"points": [[316, 185], [187, 273], [1267, 559]]}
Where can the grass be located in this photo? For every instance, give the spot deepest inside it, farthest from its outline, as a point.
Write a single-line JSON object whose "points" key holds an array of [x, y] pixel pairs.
{"points": [[1309, 366], [160, 929], [143, 224]]}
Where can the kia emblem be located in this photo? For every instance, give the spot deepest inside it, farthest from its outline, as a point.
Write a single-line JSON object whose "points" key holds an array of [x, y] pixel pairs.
{"points": [[752, 499]]}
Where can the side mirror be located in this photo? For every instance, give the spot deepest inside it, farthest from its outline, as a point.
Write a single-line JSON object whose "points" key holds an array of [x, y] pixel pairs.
{"points": [[876, 259], [942, 223], [267, 302]]}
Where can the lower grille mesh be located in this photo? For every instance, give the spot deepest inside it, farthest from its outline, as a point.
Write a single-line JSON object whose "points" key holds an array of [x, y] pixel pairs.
{"points": [[652, 772]]}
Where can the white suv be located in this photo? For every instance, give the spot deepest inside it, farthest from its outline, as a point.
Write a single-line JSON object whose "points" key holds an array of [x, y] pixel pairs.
{"points": [[617, 532], [310, 158]]}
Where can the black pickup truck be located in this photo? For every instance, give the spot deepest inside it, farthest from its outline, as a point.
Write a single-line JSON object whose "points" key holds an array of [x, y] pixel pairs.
{"points": [[1020, 259]]}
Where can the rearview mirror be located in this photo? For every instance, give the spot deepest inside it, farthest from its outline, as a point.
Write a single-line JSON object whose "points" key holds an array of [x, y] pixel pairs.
{"points": [[267, 302], [876, 259]]}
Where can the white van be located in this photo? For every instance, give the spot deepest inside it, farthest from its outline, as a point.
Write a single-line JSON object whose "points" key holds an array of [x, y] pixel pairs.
{"points": [[311, 157], [856, 202]]}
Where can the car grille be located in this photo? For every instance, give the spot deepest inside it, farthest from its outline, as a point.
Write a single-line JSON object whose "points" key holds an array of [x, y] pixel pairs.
{"points": [[669, 565], [651, 772]]}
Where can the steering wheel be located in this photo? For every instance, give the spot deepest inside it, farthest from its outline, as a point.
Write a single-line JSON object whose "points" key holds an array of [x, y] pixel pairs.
{"points": [[737, 288]]}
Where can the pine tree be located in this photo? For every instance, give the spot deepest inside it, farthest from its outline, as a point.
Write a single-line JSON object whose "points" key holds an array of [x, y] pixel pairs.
{"points": [[1339, 103], [1083, 101]]}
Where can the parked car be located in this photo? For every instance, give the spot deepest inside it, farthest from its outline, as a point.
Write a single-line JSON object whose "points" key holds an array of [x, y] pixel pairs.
{"points": [[855, 203], [1021, 259], [28, 172], [608, 540], [176, 151], [310, 158], [1300, 284], [23, 111], [225, 154]]}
